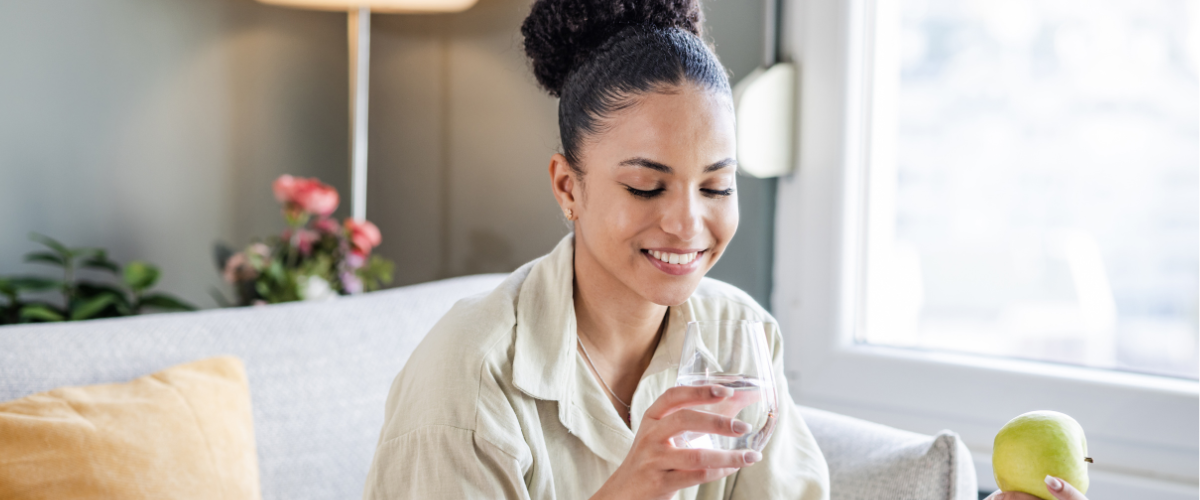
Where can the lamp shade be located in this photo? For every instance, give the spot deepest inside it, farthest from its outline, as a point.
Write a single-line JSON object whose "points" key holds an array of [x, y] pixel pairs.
{"points": [[386, 6]]}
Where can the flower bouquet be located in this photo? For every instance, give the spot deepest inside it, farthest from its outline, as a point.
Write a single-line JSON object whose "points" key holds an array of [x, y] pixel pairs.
{"points": [[315, 258]]}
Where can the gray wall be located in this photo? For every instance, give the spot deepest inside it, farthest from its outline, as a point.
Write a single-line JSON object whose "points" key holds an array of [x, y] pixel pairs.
{"points": [[154, 128]]}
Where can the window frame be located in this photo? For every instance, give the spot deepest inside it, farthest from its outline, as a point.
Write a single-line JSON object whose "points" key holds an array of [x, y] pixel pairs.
{"points": [[1143, 431]]}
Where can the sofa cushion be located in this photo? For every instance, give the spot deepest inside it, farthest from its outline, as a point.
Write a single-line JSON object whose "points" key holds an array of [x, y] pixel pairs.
{"points": [[868, 461], [184, 432]]}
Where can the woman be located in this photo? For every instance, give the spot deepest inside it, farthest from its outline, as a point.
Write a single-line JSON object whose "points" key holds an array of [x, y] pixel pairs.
{"points": [[560, 383]]}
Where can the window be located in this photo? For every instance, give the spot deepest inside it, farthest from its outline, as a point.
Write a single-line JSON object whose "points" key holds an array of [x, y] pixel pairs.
{"points": [[1034, 181], [984, 221]]}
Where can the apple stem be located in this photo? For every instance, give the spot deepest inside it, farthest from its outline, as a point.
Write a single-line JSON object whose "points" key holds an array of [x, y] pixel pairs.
{"points": [[1088, 460]]}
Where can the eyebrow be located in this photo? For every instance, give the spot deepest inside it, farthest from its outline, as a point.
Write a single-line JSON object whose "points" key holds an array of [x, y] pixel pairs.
{"points": [[656, 166]]}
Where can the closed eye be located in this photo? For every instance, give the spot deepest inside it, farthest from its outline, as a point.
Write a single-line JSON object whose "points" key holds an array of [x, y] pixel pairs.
{"points": [[644, 194], [716, 192]]}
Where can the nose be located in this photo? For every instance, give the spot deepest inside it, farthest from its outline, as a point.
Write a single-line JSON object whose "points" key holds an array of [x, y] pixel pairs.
{"points": [[684, 217]]}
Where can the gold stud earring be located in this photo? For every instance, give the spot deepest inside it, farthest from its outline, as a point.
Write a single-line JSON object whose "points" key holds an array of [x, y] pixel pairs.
{"points": [[570, 214]]}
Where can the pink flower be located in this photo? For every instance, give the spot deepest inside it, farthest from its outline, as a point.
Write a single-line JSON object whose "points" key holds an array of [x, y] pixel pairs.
{"points": [[259, 250], [355, 260], [326, 225], [284, 187], [238, 269], [305, 194], [302, 239], [363, 235]]}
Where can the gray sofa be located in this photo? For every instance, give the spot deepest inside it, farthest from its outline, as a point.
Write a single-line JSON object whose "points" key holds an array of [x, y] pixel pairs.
{"points": [[319, 373]]}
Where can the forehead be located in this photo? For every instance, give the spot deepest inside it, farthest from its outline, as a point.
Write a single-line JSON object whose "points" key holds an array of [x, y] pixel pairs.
{"points": [[688, 127]]}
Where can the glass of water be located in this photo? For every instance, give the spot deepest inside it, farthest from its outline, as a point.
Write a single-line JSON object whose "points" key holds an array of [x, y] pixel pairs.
{"points": [[731, 354]]}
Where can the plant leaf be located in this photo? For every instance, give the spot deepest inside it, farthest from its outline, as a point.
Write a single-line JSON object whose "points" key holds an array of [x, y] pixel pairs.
{"points": [[54, 244], [87, 308], [34, 284], [100, 260], [140, 275], [40, 312], [165, 302], [221, 253], [120, 300], [46, 258]]}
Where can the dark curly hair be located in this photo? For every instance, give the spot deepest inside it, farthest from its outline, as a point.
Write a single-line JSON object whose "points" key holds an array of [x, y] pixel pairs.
{"points": [[597, 56]]}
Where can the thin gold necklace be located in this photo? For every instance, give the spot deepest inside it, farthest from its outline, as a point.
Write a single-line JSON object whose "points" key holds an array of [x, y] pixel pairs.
{"points": [[597, 372], [598, 376]]}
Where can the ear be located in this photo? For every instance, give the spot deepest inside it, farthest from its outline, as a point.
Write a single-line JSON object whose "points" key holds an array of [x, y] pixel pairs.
{"points": [[563, 183]]}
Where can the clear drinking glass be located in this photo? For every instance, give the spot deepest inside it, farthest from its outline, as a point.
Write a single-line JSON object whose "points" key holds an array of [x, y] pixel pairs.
{"points": [[731, 354]]}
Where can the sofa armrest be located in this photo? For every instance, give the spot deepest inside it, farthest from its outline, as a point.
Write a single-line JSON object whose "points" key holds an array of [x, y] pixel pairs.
{"points": [[869, 461]]}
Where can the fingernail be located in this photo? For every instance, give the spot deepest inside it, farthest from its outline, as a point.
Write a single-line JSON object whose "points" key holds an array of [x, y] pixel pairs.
{"points": [[752, 456], [740, 427], [721, 391], [1054, 483]]}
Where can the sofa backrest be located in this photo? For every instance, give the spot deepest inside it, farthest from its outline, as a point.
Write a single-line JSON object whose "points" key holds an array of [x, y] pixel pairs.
{"points": [[318, 372]]}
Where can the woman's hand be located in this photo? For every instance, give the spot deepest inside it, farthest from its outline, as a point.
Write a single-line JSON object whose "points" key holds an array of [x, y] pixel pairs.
{"points": [[656, 469], [1058, 488]]}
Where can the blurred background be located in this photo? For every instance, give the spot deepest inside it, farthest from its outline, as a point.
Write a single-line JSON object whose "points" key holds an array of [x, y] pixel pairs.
{"points": [[1035, 180], [1033, 171], [155, 128]]}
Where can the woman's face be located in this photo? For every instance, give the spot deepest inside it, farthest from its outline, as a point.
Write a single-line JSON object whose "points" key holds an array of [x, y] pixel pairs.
{"points": [[657, 204]]}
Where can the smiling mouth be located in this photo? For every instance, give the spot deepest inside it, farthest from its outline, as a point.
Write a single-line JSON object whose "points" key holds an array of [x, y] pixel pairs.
{"points": [[674, 258], [676, 264]]}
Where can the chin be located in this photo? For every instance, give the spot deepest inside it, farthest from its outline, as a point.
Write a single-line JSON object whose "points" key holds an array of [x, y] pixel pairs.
{"points": [[671, 292]]}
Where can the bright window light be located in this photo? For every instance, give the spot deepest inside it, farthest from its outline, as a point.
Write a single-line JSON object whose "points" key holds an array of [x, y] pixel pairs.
{"points": [[1034, 181]]}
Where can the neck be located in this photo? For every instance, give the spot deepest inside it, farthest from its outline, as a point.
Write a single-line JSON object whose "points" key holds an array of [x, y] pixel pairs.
{"points": [[620, 327]]}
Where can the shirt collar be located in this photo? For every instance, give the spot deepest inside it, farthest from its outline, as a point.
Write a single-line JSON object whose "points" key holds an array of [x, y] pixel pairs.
{"points": [[545, 330], [546, 364]]}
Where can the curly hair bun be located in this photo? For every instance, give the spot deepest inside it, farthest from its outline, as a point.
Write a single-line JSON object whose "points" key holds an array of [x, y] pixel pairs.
{"points": [[561, 34]]}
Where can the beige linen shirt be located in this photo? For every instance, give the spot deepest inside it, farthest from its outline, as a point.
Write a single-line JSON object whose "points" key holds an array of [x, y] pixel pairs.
{"points": [[497, 402]]}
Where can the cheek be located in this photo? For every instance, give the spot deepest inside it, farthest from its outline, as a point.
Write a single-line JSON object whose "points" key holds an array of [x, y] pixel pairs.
{"points": [[623, 220], [725, 222]]}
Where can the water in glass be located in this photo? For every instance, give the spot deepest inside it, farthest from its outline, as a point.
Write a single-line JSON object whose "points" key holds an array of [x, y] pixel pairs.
{"points": [[731, 354]]}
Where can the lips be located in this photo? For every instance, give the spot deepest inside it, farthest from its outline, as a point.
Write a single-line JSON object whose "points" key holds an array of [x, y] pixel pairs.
{"points": [[675, 262]]}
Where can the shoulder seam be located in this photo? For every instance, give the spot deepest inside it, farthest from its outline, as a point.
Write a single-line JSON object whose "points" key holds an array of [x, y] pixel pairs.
{"points": [[423, 427], [473, 433], [479, 379]]}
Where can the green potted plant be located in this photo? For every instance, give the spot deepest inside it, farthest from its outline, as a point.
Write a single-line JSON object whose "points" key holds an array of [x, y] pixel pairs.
{"points": [[128, 292]]}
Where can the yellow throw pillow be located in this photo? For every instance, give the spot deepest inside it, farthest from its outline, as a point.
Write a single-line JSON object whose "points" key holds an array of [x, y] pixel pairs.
{"points": [[184, 432]]}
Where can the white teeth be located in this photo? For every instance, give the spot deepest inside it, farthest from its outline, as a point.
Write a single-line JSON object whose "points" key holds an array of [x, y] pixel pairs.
{"points": [[674, 258]]}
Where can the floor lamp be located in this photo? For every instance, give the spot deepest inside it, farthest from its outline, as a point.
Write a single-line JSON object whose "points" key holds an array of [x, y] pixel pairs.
{"points": [[359, 33]]}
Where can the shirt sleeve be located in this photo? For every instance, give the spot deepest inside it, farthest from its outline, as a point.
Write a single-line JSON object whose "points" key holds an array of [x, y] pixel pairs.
{"points": [[792, 466], [443, 462]]}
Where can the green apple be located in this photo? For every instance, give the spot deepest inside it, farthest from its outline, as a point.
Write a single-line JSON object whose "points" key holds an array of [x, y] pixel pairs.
{"points": [[1037, 444]]}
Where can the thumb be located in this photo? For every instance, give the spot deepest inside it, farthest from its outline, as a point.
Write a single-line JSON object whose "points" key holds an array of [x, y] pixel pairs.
{"points": [[1063, 490]]}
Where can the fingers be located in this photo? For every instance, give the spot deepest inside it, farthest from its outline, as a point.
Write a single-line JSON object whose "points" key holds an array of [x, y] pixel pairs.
{"points": [[684, 396], [680, 479], [696, 459], [1063, 490], [700, 422]]}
